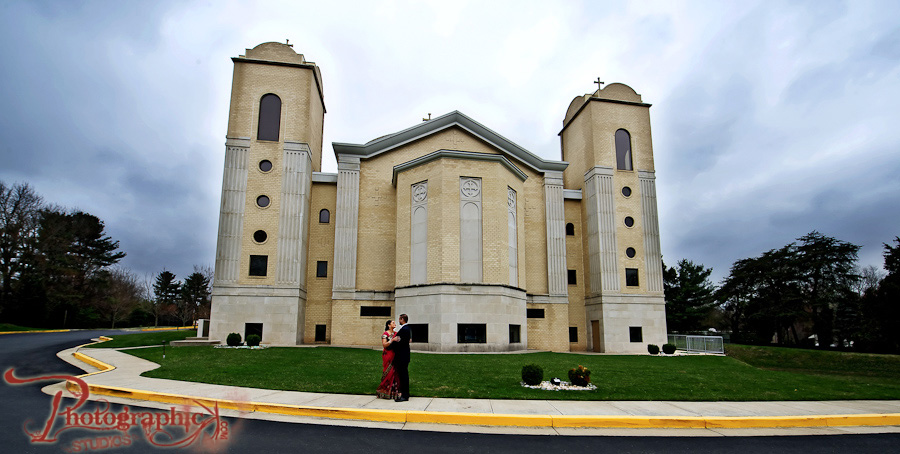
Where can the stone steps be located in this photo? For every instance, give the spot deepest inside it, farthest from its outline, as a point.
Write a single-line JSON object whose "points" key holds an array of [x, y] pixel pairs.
{"points": [[194, 341]]}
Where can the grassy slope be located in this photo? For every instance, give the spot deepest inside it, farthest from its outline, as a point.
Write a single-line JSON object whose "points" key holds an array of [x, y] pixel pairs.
{"points": [[358, 371], [142, 339]]}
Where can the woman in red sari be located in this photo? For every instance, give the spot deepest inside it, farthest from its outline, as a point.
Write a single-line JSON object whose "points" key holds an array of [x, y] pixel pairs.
{"points": [[389, 387]]}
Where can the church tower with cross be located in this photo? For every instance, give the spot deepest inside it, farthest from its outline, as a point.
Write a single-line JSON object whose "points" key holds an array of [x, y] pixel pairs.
{"points": [[607, 142], [485, 245]]}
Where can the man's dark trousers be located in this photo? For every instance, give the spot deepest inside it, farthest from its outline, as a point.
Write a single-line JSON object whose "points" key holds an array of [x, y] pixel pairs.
{"points": [[401, 360]]}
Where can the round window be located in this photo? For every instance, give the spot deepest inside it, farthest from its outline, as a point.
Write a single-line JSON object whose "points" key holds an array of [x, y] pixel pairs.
{"points": [[265, 165], [630, 252], [260, 236], [262, 201], [626, 191], [629, 221]]}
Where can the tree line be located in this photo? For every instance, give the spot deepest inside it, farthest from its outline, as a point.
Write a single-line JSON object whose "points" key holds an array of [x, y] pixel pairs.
{"points": [[810, 292], [59, 269]]}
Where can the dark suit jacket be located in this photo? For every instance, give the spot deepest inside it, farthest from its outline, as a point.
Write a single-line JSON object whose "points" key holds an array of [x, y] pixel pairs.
{"points": [[401, 347]]}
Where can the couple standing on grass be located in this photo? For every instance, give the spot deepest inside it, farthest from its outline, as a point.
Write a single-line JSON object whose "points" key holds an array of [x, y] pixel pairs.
{"points": [[395, 361]]}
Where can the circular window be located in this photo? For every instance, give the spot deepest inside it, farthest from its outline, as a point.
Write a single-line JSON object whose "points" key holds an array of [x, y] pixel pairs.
{"points": [[629, 221], [260, 236], [626, 191], [262, 201], [265, 165], [630, 252]]}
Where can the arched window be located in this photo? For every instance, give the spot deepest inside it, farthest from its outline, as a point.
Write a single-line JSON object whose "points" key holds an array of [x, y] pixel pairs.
{"points": [[324, 217], [570, 229], [623, 150], [269, 117]]}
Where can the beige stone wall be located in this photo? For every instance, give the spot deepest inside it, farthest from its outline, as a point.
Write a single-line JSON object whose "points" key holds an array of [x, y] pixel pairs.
{"points": [[629, 236], [321, 247], [575, 261], [551, 332], [352, 329], [315, 126], [384, 217], [576, 140], [443, 178], [606, 119], [299, 101], [534, 243], [257, 218]]}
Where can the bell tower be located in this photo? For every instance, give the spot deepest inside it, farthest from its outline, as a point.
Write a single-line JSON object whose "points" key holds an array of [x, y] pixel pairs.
{"points": [[273, 145], [606, 140]]}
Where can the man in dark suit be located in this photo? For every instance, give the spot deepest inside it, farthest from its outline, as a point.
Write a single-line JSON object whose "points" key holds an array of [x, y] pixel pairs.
{"points": [[401, 358]]}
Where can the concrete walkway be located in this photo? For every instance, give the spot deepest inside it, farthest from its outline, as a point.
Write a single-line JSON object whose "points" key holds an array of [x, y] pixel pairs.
{"points": [[116, 377]]}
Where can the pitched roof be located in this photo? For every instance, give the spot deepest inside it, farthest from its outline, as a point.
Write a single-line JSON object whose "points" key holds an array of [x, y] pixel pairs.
{"points": [[453, 119]]}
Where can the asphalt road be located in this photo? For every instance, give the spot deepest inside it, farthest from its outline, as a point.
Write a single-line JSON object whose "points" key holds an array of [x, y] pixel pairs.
{"points": [[34, 355]]}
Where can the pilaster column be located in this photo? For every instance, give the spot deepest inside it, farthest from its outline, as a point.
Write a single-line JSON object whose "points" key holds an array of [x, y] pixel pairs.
{"points": [[346, 224], [601, 230], [234, 194], [557, 275], [650, 218], [293, 222]]}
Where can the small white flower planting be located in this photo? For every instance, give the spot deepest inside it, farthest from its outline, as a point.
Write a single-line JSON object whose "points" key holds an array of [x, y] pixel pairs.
{"points": [[562, 386], [260, 347]]}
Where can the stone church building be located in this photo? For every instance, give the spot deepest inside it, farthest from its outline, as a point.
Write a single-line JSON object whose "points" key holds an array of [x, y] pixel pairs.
{"points": [[487, 246]]}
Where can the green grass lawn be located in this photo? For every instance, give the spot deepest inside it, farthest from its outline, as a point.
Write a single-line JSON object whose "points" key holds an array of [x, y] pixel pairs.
{"points": [[143, 339], [701, 378], [10, 327], [818, 362]]}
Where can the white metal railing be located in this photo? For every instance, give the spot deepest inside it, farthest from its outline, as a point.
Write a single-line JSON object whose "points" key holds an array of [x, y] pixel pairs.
{"points": [[711, 345]]}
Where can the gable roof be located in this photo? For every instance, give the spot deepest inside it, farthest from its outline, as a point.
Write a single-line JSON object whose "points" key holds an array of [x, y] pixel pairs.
{"points": [[446, 121]]}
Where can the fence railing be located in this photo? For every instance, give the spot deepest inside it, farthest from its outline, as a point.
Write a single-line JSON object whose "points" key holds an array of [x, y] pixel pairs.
{"points": [[711, 345]]}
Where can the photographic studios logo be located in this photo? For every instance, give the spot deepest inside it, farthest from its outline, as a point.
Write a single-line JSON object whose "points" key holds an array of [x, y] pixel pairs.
{"points": [[108, 428]]}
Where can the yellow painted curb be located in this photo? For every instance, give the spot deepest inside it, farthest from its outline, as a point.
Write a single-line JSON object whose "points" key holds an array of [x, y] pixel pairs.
{"points": [[172, 328], [632, 422], [37, 331], [338, 413], [479, 419], [93, 362], [890, 419]]}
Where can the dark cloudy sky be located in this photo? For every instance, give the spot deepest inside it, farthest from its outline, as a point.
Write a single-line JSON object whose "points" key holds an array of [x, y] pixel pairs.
{"points": [[770, 119]]}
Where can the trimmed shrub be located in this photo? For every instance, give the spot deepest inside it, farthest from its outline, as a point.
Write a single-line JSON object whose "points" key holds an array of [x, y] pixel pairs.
{"points": [[653, 349], [668, 348], [532, 374], [253, 340], [233, 339], [580, 376]]}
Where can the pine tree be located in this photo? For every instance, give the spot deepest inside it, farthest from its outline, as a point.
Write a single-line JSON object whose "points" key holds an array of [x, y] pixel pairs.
{"points": [[165, 294]]}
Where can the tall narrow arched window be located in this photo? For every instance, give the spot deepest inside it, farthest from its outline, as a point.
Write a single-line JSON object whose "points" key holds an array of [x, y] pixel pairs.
{"points": [[269, 117], [324, 217], [623, 150]]}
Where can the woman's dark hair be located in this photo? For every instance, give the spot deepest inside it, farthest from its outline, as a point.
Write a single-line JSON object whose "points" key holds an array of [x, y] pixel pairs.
{"points": [[387, 325]]}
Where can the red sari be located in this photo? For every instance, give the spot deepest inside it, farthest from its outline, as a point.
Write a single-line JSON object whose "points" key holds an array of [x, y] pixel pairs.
{"points": [[389, 387]]}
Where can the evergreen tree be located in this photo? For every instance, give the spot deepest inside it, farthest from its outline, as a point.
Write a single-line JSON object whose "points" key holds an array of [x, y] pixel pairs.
{"points": [[827, 277], [194, 297], [64, 272], [689, 296], [165, 295]]}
